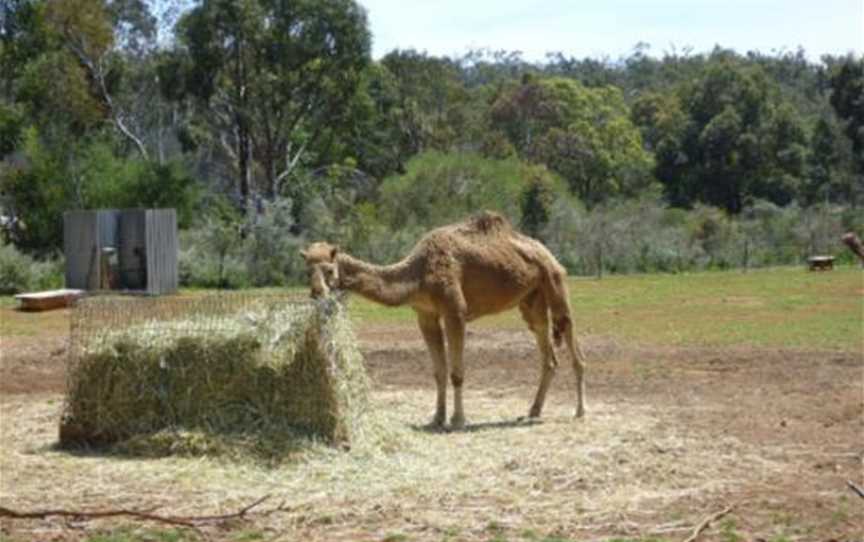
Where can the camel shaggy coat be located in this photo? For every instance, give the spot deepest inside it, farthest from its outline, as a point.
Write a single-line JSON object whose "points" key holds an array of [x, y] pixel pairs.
{"points": [[456, 274]]}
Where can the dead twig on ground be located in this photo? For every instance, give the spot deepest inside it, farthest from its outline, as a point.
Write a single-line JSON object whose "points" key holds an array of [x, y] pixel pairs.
{"points": [[707, 522], [148, 515], [855, 488]]}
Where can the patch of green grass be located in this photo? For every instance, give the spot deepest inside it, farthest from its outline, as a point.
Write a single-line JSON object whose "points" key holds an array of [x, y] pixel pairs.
{"points": [[248, 536], [778, 307], [15, 323], [729, 531], [134, 535]]}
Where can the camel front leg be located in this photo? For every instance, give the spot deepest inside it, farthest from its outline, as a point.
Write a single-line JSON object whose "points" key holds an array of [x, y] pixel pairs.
{"points": [[430, 326], [455, 327]]}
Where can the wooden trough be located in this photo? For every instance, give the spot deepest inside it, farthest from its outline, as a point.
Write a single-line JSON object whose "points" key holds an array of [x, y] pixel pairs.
{"points": [[821, 263], [51, 299]]}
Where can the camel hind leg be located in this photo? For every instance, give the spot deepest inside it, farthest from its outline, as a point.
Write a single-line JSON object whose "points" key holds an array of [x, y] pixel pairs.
{"points": [[558, 299], [578, 359], [536, 314]]}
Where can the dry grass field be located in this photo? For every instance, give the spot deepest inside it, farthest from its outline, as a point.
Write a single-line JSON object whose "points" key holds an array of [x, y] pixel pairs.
{"points": [[705, 391]]}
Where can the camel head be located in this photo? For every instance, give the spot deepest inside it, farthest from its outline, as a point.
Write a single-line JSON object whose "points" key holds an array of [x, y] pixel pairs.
{"points": [[322, 268]]}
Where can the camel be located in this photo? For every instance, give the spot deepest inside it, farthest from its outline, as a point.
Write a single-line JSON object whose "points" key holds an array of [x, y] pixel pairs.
{"points": [[456, 274]]}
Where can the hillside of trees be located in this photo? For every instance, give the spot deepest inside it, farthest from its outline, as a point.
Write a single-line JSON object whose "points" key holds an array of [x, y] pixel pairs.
{"points": [[267, 123]]}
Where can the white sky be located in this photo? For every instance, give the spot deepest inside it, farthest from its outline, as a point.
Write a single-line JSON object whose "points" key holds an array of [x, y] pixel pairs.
{"points": [[612, 27]]}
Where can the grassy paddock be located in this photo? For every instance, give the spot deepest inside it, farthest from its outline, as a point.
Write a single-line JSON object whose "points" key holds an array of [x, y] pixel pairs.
{"points": [[647, 457], [778, 307]]}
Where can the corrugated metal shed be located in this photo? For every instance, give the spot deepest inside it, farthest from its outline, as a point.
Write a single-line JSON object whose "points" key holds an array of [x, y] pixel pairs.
{"points": [[128, 249]]}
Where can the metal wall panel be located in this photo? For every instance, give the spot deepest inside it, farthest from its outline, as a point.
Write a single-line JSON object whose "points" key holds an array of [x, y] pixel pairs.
{"points": [[108, 221], [81, 248], [161, 251]]}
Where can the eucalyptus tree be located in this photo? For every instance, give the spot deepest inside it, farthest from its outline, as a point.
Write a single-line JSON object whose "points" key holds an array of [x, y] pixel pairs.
{"points": [[847, 98], [583, 134], [266, 78], [725, 137]]}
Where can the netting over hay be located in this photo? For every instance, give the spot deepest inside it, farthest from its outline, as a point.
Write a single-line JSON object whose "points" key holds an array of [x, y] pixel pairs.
{"points": [[208, 374]]}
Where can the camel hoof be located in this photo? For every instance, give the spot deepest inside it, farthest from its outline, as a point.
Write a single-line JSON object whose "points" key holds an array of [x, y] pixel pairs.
{"points": [[457, 422], [437, 423], [579, 413]]}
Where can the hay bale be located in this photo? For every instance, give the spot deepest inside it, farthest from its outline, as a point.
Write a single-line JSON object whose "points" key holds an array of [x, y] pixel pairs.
{"points": [[218, 375]]}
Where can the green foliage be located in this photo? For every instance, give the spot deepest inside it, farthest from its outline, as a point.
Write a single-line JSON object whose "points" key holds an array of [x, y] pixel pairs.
{"points": [[211, 255], [269, 75], [34, 198], [431, 107], [11, 128], [264, 100], [48, 182], [272, 252], [584, 134], [847, 98], [20, 273], [725, 138], [466, 182], [535, 202]]}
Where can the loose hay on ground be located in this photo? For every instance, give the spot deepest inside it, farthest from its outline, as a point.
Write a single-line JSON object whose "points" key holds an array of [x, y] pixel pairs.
{"points": [[558, 476], [227, 375]]}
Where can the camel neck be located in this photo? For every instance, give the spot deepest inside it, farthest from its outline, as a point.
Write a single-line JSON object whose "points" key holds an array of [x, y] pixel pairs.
{"points": [[390, 285]]}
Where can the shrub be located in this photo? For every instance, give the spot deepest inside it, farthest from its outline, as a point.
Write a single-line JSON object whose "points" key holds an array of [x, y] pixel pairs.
{"points": [[14, 270], [211, 256], [270, 250], [19, 272], [441, 188]]}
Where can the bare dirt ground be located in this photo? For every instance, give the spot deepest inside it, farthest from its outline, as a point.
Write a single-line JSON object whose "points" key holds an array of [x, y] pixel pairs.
{"points": [[775, 432]]}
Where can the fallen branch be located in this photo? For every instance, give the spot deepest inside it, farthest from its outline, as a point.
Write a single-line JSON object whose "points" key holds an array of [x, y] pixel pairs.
{"points": [[707, 522], [855, 488], [184, 521]]}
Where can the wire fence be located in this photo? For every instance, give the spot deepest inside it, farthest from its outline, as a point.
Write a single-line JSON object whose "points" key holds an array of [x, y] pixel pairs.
{"points": [[165, 318]]}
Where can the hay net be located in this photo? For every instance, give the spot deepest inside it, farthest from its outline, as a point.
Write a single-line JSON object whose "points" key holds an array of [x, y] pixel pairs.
{"points": [[245, 365]]}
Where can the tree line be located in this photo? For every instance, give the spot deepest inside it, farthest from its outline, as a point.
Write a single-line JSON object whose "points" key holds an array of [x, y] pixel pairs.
{"points": [[246, 114]]}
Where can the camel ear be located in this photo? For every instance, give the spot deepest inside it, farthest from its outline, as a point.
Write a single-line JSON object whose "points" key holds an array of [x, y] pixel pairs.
{"points": [[333, 252], [304, 254]]}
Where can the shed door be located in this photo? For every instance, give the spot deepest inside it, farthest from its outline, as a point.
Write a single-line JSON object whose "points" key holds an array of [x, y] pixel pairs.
{"points": [[133, 250]]}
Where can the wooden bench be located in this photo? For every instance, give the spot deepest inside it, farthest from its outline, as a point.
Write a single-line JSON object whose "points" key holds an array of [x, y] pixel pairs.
{"points": [[51, 299], [821, 263]]}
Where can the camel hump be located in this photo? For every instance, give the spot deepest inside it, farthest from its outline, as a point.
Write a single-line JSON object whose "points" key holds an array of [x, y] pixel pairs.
{"points": [[488, 222]]}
